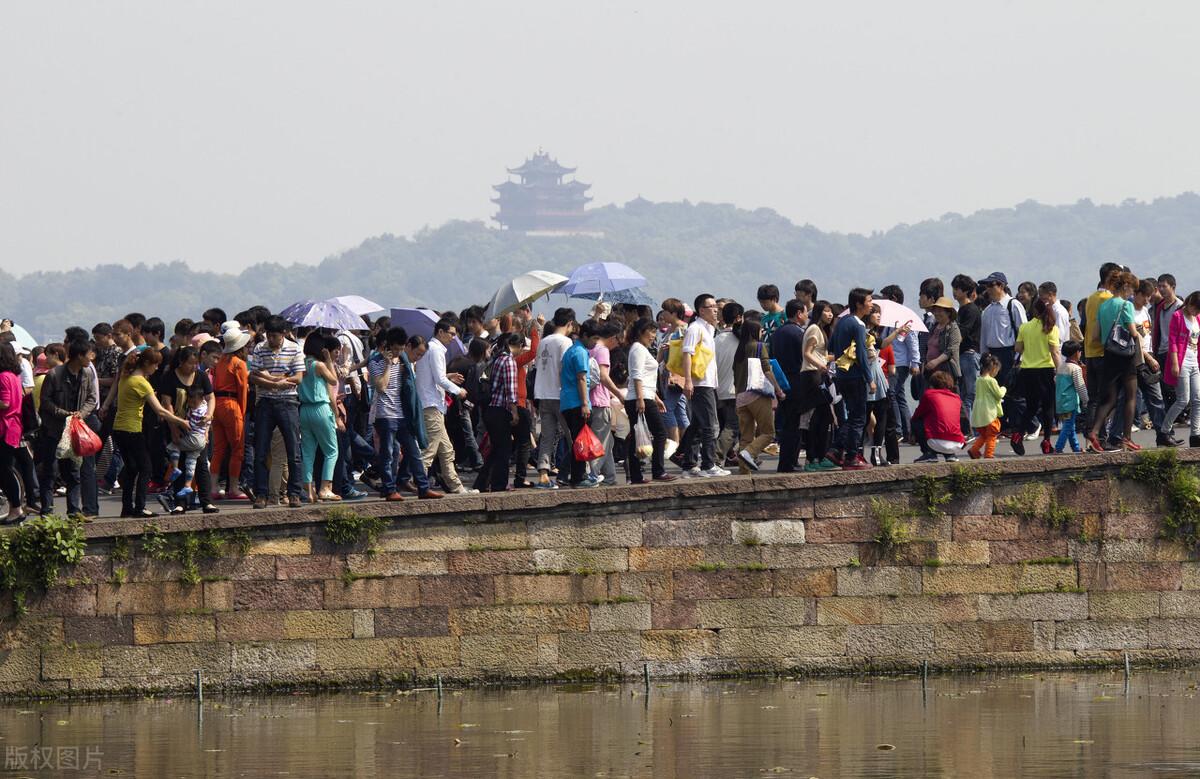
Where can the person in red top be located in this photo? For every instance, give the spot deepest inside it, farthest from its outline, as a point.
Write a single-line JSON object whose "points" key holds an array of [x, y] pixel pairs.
{"points": [[231, 382], [523, 429], [936, 420]]}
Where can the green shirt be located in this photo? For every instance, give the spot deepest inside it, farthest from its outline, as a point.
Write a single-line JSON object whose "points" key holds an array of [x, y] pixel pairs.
{"points": [[1111, 311], [987, 407]]}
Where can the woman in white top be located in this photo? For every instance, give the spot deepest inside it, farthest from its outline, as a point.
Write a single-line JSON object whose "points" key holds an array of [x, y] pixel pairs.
{"points": [[1182, 368], [643, 401]]}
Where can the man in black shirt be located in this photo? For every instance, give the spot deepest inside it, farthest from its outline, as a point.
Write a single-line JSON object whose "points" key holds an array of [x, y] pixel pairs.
{"points": [[970, 320], [787, 347]]}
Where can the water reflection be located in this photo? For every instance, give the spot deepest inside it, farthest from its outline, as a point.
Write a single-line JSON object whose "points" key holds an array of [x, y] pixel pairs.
{"points": [[1077, 724]]}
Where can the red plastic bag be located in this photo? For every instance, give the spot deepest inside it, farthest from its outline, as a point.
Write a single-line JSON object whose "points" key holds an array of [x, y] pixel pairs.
{"points": [[84, 440], [587, 445]]}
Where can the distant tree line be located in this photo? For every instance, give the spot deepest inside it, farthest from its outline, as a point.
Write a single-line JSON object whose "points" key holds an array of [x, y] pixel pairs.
{"points": [[681, 248]]}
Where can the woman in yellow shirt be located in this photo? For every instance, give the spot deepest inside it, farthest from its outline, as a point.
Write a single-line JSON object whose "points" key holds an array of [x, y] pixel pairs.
{"points": [[133, 394], [1037, 343]]}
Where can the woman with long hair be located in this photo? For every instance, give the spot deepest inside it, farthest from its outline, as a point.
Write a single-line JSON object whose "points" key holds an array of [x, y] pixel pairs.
{"points": [[11, 396], [1040, 350], [183, 379], [815, 405], [755, 404], [1117, 370], [1182, 369]]}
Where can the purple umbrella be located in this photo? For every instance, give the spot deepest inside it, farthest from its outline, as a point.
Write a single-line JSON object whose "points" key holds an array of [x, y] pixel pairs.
{"points": [[323, 313], [602, 277], [415, 321]]}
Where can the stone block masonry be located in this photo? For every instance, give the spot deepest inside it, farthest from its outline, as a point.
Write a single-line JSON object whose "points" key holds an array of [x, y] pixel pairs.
{"points": [[768, 573]]}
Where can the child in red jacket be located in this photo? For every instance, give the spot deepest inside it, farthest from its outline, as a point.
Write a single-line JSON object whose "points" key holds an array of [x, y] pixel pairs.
{"points": [[936, 420]]}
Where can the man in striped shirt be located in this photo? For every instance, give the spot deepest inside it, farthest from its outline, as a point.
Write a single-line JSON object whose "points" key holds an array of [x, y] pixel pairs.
{"points": [[276, 369]]}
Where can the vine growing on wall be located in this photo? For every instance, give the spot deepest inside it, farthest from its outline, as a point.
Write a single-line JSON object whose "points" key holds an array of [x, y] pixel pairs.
{"points": [[32, 556], [1179, 488]]}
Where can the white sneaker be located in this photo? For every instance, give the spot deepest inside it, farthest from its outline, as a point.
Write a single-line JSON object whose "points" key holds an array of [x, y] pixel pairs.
{"points": [[1035, 434], [464, 490], [599, 477], [748, 459], [693, 473], [716, 470]]}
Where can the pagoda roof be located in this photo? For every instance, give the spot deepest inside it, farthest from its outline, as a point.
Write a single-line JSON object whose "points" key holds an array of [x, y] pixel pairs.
{"points": [[515, 186], [541, 163]]}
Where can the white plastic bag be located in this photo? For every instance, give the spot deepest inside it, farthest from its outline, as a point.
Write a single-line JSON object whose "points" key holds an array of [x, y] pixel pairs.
{"points": [[642, 439], [65, 449], [619, 420]]}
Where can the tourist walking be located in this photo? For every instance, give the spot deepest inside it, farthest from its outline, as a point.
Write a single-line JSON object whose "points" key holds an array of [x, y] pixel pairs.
{"points": [[1038, 347], [133, 394], [642, 403], [1181, 370], [699, 369]]}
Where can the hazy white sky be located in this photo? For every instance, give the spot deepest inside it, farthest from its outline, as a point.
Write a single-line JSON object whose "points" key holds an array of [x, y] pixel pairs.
{"points": [[228, 133]]}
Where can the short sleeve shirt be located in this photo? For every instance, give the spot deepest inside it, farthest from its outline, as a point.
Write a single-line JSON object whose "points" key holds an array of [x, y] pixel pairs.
{"points": [[1037, 345], [286, 362], [386, 404], [131, 398], [574, 362], [600, 396], [177, 391]]}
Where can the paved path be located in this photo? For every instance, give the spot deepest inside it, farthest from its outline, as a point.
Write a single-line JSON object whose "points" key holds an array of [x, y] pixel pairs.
{"points": [[110, 506]]}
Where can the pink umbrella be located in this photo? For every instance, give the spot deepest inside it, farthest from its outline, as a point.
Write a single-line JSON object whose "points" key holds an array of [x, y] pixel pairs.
{"points": [[895, 315]]}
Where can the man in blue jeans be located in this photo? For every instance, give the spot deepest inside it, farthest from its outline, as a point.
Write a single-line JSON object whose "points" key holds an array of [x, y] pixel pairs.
{"points": [[276, 369], [849, 343], [396, 408], [970, 321]]}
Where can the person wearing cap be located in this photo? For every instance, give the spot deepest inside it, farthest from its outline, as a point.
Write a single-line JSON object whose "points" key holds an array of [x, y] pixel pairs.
{"points": [[231, 383], [998, 329]]}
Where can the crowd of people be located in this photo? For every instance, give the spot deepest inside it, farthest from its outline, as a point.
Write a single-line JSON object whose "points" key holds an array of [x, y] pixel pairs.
{"points": [[251, 408]]}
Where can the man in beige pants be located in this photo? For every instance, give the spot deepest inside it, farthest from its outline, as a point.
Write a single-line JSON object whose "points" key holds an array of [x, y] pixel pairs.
{"points": [[433, 385]]}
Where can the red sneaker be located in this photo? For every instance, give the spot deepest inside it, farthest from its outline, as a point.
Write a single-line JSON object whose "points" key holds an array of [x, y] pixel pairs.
{"points": [[857, 464], [1047, 447]]}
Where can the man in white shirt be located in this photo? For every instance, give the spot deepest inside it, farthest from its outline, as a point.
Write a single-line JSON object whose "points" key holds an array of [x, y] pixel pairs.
{"points": [[699, 344], [433, 385], [1048, 292], [547, 385]]}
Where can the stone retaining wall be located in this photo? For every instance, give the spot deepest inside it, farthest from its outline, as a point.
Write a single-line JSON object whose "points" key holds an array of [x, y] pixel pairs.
{"points": [[771, 573]]}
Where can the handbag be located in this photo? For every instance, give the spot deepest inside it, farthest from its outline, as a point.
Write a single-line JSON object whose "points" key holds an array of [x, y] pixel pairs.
{"points": [[780, 376], [1120, 343], [700, 359], [756, 380]]}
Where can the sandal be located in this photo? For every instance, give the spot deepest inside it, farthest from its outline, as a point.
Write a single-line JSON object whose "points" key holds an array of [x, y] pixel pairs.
{"points": [[209, 508], [329, 496]]}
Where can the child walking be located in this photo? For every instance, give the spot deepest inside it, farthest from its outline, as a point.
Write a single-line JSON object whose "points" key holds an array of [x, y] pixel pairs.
{"points": [[1070, 395], [184, 453], [988, 408]]}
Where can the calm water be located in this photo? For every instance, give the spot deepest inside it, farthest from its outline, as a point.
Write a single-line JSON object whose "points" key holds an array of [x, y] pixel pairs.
{"points": [[1063, 724]]}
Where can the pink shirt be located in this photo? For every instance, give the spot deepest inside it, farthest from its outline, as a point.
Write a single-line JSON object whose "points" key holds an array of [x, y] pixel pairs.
{"points": [[10, 418], [599, 395]]}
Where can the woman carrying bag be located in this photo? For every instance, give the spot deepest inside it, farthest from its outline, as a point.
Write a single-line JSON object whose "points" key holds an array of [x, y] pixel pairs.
{"points": [[1037, 344], [643, 405], [757, 390]]}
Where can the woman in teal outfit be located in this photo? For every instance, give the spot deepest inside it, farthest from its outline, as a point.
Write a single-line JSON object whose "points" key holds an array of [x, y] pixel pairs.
{"points": [[319, 421]]}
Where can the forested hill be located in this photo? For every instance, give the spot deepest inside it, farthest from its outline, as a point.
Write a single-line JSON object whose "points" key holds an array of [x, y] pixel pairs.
{"points": [[682, 248]]}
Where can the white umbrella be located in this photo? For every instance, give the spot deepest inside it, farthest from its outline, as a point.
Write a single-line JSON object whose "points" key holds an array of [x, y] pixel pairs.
{"points": [[23, 337], [358, 304], [524, 289]]}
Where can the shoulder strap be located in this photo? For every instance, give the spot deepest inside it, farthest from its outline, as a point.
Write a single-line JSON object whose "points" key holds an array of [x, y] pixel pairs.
{"points": [[1012, 317]]}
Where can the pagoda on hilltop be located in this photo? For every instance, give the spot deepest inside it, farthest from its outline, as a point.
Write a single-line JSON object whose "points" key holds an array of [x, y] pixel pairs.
{"points": [[541, 202]]}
